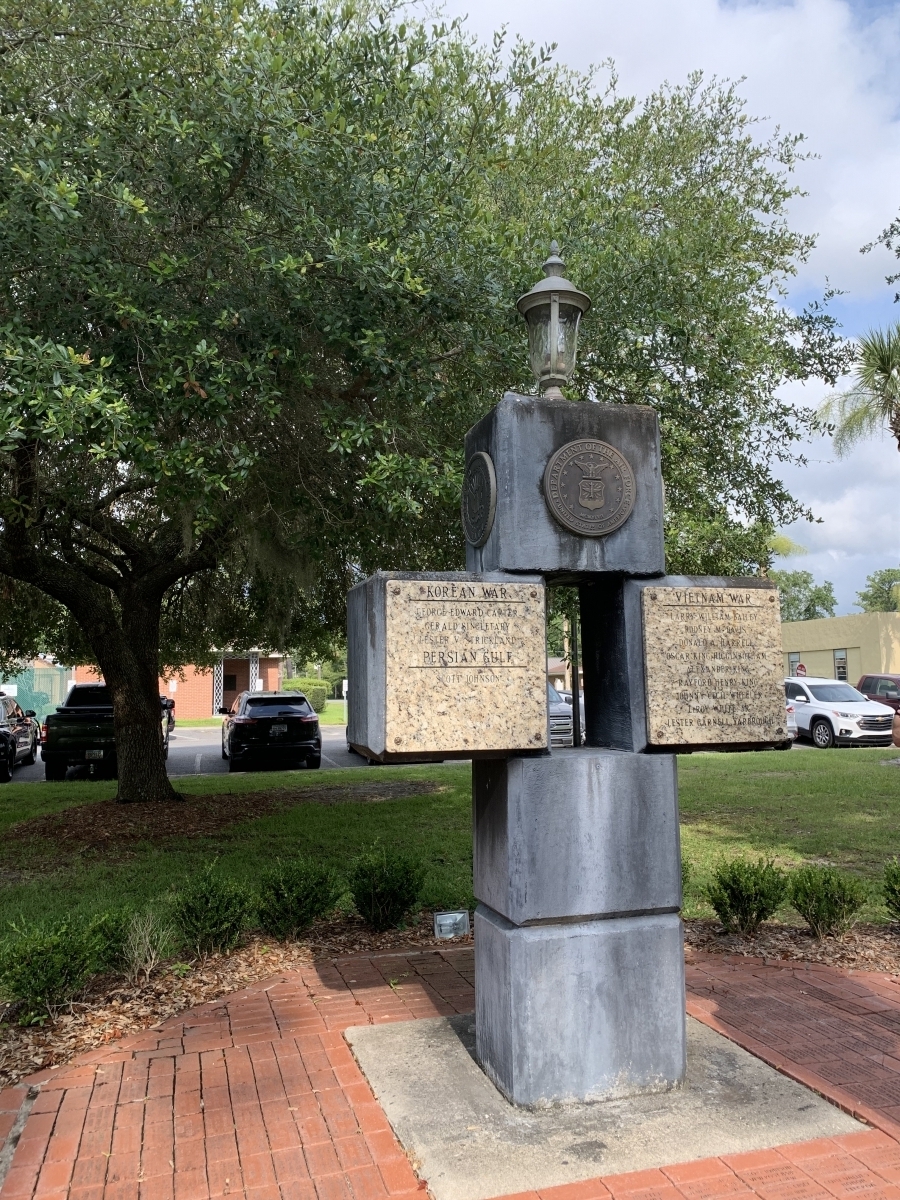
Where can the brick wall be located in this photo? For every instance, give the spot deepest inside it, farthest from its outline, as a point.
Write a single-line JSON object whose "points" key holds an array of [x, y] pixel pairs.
{"points": [[193, 695]]}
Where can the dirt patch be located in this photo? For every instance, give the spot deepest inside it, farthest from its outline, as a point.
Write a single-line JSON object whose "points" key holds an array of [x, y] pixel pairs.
{"points": [[110, 1008], [862, 948], [106, 825]]}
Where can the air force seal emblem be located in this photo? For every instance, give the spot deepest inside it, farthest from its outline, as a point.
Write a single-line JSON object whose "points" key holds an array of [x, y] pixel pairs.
{"points": [[589, 487]]}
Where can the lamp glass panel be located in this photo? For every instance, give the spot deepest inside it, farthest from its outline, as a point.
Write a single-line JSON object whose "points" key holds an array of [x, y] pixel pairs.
{"points": [[539, 342]]}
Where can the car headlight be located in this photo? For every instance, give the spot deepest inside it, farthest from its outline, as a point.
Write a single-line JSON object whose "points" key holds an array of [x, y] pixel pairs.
{"points": [[843, 714]]}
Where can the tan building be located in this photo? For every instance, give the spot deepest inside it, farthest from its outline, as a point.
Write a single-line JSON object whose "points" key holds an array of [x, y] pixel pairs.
{"points": [[843, 647]]}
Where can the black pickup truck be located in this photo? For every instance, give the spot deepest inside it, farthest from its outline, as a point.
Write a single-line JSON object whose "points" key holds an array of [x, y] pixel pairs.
{"points": [[81, 733]]}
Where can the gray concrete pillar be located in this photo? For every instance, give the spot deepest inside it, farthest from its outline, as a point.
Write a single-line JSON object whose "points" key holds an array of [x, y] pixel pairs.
{"points": [[578, 946]]}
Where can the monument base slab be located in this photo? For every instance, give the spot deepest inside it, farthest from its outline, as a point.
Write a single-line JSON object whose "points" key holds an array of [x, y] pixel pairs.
{"points": [[470, 1144], [580, 1010]]}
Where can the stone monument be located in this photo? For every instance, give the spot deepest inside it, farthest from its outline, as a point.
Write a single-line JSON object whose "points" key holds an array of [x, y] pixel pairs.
{"points": [[579, 966]]}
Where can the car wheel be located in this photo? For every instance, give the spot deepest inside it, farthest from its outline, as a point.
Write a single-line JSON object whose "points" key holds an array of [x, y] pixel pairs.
{"points": [[314, 762], [235, 766], [224, 751], [31, 757], [822, 735], [7, 763], [54, 772]]}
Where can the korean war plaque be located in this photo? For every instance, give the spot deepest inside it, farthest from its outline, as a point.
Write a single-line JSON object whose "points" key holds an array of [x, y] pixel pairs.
{"points": [[458, 671], [713, 665], [589, 487]]}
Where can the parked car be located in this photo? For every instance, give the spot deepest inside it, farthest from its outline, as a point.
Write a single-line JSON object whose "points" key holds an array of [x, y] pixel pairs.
{"points": [[20, 736], [832, 713], [791, 717], [168, 705], [896, 728], [272, 728], [81, 733], [560, 718], [567, 697], [883, 688]]}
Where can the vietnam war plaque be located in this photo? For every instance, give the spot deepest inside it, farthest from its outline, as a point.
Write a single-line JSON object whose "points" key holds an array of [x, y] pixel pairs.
{"points": [[457, 666], [713, 666]]}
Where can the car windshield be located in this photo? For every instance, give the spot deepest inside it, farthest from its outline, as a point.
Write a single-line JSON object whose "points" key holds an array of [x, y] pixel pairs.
{"points": [[836, 693], [280, 706], [553, 695], [89, 697]]}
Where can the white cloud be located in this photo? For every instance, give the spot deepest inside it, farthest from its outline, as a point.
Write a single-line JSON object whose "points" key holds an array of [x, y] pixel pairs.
{"points": [[827, 69]]}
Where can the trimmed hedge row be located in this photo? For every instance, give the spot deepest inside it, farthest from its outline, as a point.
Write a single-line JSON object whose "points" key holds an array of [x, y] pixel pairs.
{"points": [[746, 892], [44, 967]]}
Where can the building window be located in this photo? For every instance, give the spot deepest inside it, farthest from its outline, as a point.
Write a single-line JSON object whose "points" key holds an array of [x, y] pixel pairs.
{"points": [[229, 683], [793, 662], [840, 664]]}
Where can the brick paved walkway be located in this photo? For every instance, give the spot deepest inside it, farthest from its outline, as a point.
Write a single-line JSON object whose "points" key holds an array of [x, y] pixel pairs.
{"points": [[258, 1095]]}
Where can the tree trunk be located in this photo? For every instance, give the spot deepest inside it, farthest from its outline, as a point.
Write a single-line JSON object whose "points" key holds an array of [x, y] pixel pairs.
{"points": [[130, 666]]}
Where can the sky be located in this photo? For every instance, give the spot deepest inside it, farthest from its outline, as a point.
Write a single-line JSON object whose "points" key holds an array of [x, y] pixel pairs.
{"points": [[829, 69]]}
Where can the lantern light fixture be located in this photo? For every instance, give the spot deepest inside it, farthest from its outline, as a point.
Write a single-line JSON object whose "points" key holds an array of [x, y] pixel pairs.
{"points": [[552, 310]]}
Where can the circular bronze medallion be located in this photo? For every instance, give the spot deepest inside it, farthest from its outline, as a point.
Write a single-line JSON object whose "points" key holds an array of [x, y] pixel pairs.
{"points": [[479, 498], [589, 487]]}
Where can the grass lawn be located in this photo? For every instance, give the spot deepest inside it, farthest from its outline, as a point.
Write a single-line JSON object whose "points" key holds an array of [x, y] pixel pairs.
{"points": [[333, 715], [840, 807]]}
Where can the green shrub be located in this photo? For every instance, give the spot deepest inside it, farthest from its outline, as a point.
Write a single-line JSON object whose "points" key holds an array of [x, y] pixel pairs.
{"points": [[687, 872], [293, 893], [211, 912], [44, 966], [315, 690], [826, 899], [385, 885], [745, 893], [892, 888], [110, 931]]}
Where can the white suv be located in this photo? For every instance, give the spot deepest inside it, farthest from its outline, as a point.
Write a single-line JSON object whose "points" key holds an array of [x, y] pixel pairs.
{"points": [[832, 713]]}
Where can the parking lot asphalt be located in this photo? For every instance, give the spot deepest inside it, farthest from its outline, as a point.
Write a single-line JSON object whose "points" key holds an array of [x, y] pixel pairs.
{"points": [[197, 750]]}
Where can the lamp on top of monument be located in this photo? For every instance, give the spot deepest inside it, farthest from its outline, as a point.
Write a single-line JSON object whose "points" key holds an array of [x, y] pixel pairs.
{"points": [[552, 310]]}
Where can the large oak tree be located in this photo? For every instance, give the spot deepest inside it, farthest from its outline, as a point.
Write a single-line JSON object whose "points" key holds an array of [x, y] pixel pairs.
{"points": [[257, 272]]}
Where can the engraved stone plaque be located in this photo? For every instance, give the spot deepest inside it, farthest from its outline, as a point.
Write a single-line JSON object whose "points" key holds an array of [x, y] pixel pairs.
{"points": [[446, 666], [589, 487], [465, 666], [713, 665]]}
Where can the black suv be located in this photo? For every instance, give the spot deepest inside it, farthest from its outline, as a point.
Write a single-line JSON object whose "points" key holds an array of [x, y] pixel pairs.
{"points": [[20, 736], [275, 728]]}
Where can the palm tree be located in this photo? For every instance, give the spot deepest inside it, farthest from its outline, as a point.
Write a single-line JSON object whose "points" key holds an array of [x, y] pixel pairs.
{"points": [[874, 400]]}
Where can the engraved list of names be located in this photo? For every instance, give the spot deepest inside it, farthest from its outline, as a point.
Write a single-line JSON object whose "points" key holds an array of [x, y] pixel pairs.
{"points": [[465, 666], [713, 665]]}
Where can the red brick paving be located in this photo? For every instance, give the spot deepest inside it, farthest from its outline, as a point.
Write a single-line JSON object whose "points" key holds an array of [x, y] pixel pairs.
{"points": [[258, 1095]]}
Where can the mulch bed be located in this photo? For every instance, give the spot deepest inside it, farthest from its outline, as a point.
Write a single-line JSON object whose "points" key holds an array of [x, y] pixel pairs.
{"points": [[862, 948], [106, 825], [111, 1008]]}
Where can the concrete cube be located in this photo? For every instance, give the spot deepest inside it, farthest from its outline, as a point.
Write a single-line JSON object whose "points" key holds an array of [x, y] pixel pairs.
{"points": [[582, 834], [520, 435], [582, 1011]]}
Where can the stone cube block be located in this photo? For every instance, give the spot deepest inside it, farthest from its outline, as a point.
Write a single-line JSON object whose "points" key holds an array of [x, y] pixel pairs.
{"points": [[588, 1010], [581, 834], [520, 436]]}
